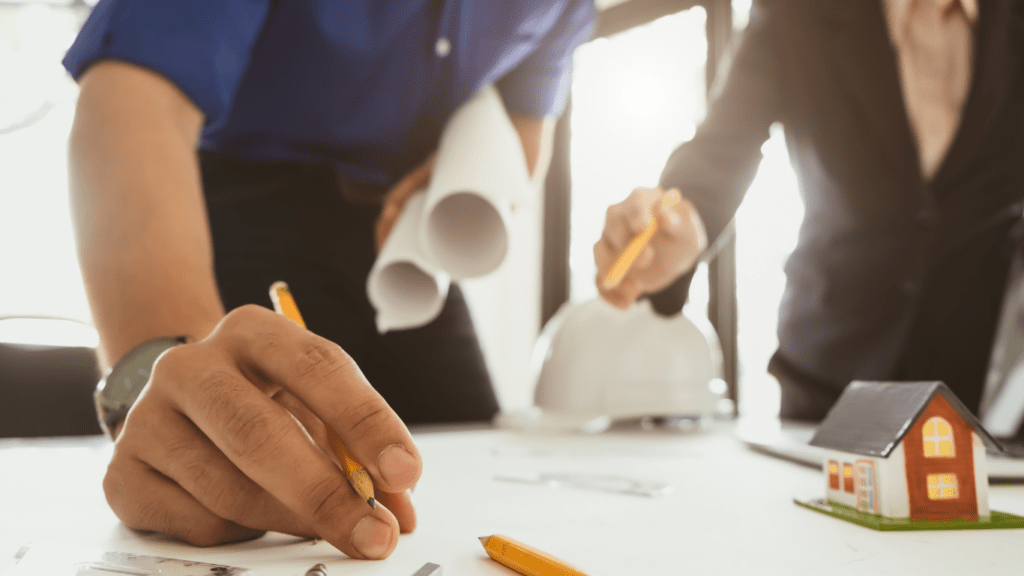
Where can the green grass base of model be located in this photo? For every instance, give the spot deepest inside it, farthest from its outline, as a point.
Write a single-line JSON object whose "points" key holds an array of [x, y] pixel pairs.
{"points": [[996, 521]]}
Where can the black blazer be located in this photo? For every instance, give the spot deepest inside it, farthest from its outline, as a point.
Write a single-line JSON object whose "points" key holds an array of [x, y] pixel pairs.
{"points": [[880, 251]]}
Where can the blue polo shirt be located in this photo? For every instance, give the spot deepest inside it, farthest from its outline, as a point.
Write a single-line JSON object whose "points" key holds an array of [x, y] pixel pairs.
{"points": [[364, 84]]}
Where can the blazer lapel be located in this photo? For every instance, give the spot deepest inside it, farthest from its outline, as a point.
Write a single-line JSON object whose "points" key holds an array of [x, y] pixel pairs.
{"points": [[865, 60], [999, 40]]}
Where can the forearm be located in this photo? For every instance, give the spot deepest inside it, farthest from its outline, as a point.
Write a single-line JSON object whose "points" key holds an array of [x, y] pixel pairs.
{"points": [[136, 202]]}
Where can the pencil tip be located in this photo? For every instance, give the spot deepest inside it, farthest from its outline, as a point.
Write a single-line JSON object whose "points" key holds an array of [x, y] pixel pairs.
{"points": [[483, 540], [371, 502]]}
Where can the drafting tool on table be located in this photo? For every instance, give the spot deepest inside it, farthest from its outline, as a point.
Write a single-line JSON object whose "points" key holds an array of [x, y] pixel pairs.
{"points": [[599, 482], [356, 474], [317, 570], [429, 569], [50, 559], [639, 242]]}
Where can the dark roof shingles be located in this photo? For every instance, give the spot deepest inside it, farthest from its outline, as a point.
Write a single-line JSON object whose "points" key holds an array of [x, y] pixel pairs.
{"points": [[870, 418]]}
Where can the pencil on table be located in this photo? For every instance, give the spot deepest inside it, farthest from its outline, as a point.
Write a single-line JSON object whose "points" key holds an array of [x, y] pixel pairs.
{"points": [[524, 559], [639, 242], [355, 472]]}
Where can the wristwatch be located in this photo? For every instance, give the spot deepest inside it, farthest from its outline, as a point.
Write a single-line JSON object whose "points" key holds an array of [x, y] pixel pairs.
{"points": [[120, 387]]}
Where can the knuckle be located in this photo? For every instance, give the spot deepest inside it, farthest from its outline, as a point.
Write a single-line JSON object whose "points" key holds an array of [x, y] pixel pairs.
{"points": [[190, 467], [321, 359], [324, 499], [364, 418], [150, 514], [220, 394], [115, 485], [254, 431], [241, 318], [249, 426], [170, 366], [227, 499]]}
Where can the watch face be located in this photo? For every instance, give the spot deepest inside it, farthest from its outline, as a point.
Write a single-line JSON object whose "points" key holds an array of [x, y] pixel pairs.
{"points": [[130, 374]]}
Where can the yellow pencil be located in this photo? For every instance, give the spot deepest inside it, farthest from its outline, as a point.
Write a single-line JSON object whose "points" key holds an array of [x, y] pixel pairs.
{"points": [[526, 559], [356, 474], [639, 242]]}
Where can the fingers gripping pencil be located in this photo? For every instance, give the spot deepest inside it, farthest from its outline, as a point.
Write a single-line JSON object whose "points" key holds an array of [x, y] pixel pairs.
{"points": [[639, 242], [356, 474]]}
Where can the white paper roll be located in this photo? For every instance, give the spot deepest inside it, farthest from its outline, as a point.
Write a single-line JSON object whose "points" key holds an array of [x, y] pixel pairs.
{"points": [[404, 287], [479, 169]]}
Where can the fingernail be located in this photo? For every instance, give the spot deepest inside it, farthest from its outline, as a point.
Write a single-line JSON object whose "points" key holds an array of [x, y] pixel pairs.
{"points": [[397, 466], [372, 537]]}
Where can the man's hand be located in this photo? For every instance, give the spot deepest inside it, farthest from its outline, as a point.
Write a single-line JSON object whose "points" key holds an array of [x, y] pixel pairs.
{"points": [[396, 198], [228, 440], [674, 248]]}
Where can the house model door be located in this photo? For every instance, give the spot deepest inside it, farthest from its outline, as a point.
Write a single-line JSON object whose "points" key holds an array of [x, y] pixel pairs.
{"points": [[867, 494]]}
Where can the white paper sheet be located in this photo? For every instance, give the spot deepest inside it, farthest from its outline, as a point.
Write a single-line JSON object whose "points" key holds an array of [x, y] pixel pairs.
{"points": [[405, 288], [459, 228], [480, 168]]}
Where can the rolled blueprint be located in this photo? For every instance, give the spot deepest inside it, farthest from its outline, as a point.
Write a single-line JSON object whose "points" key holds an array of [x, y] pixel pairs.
{"points": [[405, 288], [479, 169]]}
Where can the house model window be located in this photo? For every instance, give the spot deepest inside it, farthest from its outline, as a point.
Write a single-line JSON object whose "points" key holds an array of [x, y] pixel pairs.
{"points": [[938, 438], [942, 487], [847, 477]]}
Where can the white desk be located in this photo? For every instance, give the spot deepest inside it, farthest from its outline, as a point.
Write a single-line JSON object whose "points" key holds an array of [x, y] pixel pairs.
{"points": [[731, 513]]}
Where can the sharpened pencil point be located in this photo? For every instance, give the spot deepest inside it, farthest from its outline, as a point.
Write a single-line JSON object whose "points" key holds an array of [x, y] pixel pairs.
{"points": [[483, 540], [371, 502]]}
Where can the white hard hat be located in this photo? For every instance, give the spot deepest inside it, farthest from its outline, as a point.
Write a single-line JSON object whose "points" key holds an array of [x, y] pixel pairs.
{"points": [[593, 360]]}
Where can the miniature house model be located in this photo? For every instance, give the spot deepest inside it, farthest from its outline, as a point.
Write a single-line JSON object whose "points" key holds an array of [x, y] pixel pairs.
{"points": [[905, 450]]}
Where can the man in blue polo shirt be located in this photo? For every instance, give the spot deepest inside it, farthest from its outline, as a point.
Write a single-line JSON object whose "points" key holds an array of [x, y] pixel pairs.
{"points": [[219, 146]]}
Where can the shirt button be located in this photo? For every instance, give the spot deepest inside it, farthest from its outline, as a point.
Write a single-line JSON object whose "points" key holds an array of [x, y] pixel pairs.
{"points": [[442, 47], [910, 286]]}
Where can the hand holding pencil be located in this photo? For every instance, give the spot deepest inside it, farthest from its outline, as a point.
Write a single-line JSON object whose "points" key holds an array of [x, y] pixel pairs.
{"points": [[649, 239], [230, 440], [355, 472]]}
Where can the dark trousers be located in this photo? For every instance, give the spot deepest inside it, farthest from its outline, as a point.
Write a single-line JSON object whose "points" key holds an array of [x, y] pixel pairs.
{"points": [[289, 221]]}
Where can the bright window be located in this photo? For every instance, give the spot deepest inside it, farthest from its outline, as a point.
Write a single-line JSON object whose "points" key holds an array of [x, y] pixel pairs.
{"points": [[938, 438], [636, 97], [943, 487], [38, 268], [833, 474], [848, 477]]}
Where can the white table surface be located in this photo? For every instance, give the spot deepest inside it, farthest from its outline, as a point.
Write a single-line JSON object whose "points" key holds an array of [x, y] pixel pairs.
{"points": [[731, 512]]}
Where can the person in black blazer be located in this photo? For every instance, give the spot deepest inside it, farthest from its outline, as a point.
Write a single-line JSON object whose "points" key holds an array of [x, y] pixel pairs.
{"points": [[895, 276]]}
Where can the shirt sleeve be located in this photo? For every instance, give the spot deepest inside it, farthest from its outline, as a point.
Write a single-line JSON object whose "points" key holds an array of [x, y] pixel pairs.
{"points": [[539, 85], [202, 46], [715, 168]]}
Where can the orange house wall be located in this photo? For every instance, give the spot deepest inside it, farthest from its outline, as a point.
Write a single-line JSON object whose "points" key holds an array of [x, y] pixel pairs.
{"points": [[918, 467]]}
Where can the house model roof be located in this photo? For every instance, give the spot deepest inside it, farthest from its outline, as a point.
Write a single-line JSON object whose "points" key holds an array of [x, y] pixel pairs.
{"points": [[871, 418]]}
